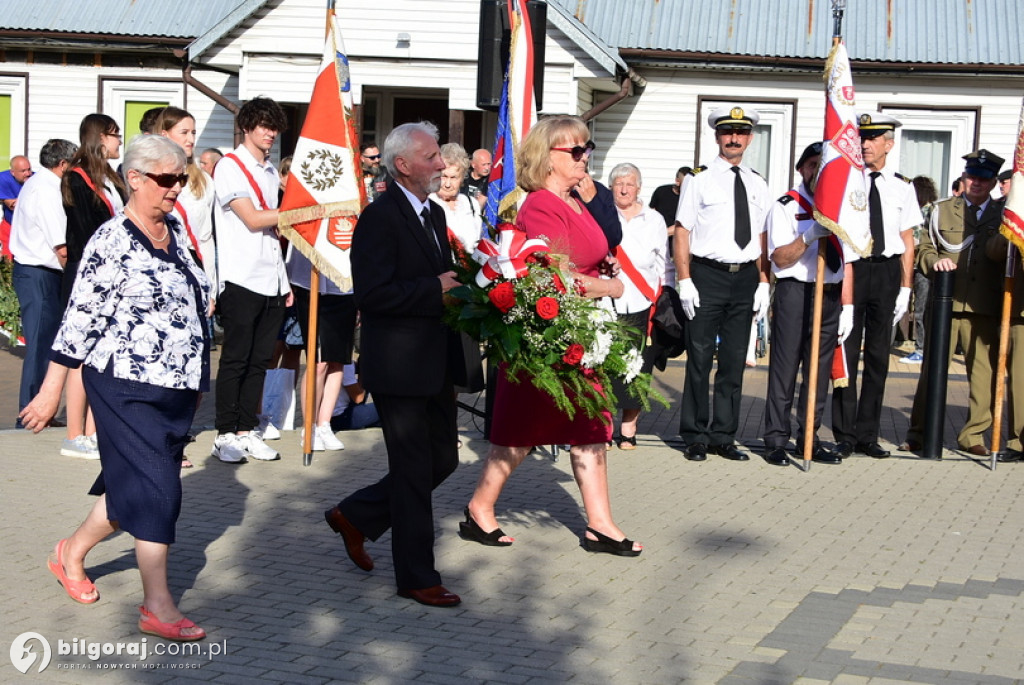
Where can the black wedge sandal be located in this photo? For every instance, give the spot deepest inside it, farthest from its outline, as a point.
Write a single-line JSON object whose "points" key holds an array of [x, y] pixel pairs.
{"points": [[471, 530], [603, 543]]}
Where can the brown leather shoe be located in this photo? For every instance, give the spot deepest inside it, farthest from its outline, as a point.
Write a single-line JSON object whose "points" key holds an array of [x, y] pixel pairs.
{"points": [[351, 536], [436, 596], [977, 450]]}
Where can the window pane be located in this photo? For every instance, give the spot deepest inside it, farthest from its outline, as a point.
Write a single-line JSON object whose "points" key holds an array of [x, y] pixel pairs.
{"points": [[5, 132], [758, 155], [926, 153], [133, 111]]}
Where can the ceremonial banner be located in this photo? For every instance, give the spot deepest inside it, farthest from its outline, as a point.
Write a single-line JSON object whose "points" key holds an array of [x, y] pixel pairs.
{"points": [[516, 115], [325, 193], [840, 193], [1013, 212]]}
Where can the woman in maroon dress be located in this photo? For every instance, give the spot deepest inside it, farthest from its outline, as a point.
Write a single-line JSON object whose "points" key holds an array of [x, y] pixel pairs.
{"points": [[551, 163]]}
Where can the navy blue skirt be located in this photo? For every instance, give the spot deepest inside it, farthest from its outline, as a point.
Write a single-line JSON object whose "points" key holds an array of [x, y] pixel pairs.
{"points": [[141, 430]]}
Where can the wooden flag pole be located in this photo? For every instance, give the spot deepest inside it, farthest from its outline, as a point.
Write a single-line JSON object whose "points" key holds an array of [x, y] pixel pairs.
{"points": [[309, 390], [812, 372], [1004, 345], [819, 294]]}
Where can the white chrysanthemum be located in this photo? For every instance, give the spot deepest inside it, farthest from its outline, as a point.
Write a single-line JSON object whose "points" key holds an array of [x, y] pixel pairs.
{"points": [[633, 363], [599, 350]]}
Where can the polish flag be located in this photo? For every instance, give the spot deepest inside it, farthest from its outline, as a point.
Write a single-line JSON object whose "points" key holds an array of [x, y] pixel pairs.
{"points": [[840, 192], [325, 193]]}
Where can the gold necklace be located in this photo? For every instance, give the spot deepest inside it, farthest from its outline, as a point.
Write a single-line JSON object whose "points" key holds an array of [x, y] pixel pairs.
{"points": [[142, 225]]}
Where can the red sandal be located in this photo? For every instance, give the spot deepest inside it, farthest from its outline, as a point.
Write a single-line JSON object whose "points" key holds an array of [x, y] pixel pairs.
{"points": [[74, 588], [151, 625]]}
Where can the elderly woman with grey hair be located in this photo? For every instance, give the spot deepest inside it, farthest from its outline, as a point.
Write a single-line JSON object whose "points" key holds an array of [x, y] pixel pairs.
{"points": [[460, 212], [641, 254], [135, 323]]}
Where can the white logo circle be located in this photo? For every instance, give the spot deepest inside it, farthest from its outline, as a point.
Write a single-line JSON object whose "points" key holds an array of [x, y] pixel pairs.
{"points": [[23, 656]]}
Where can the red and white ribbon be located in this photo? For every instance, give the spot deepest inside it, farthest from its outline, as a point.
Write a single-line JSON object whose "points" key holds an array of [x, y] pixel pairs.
{"points": [[506, 258]]}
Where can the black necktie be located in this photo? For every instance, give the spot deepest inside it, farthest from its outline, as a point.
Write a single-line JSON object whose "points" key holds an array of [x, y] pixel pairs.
{"points": [[875, 217], [833, 258], [428, 226], [742, 211], [972, 211]]}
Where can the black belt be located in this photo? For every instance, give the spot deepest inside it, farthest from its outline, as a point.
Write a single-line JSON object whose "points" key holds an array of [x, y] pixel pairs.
{"points": [[721, 266], [790, 279], [57, 272], [879, 259]]}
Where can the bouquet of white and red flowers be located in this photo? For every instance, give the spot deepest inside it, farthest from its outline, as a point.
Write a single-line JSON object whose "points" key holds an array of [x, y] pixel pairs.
{"points": [[522, 304]]}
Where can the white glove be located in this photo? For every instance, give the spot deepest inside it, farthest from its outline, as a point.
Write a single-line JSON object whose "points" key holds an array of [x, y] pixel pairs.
{"points": [[845, 323], [761, 301], [902, 305], [815, 232], [688, 296]]}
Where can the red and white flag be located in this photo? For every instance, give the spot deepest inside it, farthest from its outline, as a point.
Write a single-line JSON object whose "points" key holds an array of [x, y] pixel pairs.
{"points": [[840, 193], [1013, 212], [325, 193]]}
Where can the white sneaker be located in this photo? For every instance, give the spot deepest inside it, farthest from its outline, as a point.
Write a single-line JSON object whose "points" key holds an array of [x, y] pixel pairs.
{"points": [[93, 441], [80, 447], [267, 430], [257, 449], [326, 436], [318, 440], [229, 448]]}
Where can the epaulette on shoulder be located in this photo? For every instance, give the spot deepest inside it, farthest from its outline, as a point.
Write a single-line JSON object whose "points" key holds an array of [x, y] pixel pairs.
{"points": [[698, 169], [785, 199], [757, 172], [903, 178]]}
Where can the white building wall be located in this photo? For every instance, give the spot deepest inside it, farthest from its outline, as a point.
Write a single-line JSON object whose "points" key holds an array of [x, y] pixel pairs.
{"points": [[277, 51], [658, 130]]}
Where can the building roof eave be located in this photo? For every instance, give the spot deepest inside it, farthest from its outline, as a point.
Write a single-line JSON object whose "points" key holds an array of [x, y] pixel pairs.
{"points": [[204, 42], [602, 53]]}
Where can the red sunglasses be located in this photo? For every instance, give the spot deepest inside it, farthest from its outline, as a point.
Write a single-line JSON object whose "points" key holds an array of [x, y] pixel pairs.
{"points": [[578, 152]]}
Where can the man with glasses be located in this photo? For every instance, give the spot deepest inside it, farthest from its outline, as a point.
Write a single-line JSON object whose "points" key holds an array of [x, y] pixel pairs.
{"points": [[723, 279], [375, 176], [963, 237]]}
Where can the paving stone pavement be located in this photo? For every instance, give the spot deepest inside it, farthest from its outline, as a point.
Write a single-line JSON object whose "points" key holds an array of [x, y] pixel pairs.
{"points": [[876, 571]]}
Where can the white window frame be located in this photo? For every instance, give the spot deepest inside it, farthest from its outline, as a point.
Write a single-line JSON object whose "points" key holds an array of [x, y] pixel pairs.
{"points": [[779, 116], [16, 85], [115, 93], [961, 123]]}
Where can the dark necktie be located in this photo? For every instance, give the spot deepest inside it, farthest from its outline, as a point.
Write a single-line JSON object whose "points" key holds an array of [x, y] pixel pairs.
{"points": [[972, 213], [875, 217], [742, 211], [428, 226], [833, 257]]}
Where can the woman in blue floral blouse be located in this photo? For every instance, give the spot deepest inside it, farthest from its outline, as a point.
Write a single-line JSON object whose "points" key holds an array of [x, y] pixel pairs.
{"points": [[136, 325]]}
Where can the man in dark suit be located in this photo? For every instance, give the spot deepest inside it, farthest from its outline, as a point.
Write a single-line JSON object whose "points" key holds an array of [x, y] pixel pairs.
{"points": [[401, 268]]}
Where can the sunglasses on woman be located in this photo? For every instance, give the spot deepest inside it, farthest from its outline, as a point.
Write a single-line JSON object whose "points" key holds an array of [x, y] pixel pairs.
{"points": [[168, 180], [578, 152]]}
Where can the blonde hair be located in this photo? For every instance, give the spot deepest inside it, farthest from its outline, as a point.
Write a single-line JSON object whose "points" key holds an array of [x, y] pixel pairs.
{"points": [[167, 119], [533, 159]]}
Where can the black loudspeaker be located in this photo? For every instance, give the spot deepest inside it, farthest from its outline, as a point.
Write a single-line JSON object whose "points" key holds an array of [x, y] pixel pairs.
{"points": [[495, 37]]}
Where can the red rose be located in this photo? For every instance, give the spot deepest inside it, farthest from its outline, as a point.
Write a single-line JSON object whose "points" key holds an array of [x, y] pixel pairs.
{"points": [[547, 308], [503, 296], [559, 285], [573, 354]]}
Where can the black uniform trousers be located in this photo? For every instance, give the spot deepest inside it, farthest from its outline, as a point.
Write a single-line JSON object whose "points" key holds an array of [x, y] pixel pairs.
{"points": [[876, 284], [792, 316], [725, 314], [420, 435]]}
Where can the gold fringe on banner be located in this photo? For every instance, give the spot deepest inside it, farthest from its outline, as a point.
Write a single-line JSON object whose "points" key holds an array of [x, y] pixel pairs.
{"points": [[838, 230]]}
